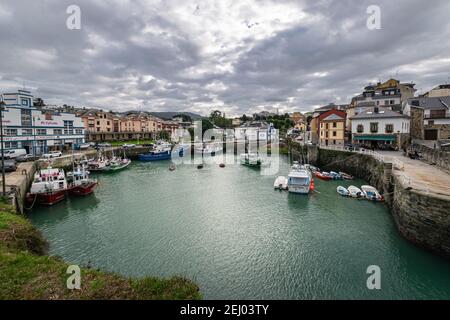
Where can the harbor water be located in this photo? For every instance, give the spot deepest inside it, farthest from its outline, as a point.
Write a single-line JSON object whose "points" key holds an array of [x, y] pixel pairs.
{"points": [[230, 232]]}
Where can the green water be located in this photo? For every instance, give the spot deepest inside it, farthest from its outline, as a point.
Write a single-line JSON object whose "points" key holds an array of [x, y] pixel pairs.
{"points": [[228, 230]]}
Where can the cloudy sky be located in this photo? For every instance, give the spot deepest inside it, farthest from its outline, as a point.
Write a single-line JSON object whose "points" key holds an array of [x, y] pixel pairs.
{"points": [[239, 56]]}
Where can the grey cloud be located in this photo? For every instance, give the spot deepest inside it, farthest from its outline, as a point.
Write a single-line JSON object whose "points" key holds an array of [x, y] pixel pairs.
{"points": [[108, 62]]}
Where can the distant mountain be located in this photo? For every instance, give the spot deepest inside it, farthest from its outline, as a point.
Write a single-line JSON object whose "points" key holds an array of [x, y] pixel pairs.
{"points": [[170, 115]]}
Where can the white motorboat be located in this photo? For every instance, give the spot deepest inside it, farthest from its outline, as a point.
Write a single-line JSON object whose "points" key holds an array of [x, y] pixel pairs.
{"points": [[370, 193], [300, 179], [281, 183], [343, 191], [355, 192]]}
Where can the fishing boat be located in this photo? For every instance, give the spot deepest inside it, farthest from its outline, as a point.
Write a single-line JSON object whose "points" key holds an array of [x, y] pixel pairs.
{"points": [[48, 188], [355, 192], [251, 160], [343, 191], [300, 180], [97, 165], [208, 149], [158, 154], [346, 176], [372, 194], [80, 183], [117, 164], [322, 176], [281, 183]]}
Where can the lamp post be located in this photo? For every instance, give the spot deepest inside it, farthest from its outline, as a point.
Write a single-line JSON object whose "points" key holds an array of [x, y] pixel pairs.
{"points": [[2, 104]]}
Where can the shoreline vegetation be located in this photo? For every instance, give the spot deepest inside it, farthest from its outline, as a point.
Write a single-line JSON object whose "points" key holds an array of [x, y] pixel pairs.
{"points": [[27, 272]]}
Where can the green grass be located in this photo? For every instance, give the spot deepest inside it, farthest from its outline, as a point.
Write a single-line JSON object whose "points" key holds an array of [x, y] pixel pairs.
{"points": [[27, 273], [120, 143]]}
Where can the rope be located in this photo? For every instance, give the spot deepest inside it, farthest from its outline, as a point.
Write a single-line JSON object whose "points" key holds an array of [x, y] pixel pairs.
{"points": [[32, 205]]}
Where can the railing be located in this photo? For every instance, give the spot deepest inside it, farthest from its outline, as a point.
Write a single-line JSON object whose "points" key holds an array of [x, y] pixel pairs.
{"points": [[369, 152]]}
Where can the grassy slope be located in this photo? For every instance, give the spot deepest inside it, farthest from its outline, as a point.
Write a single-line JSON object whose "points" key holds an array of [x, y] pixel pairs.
{"points": [[27, 273]]}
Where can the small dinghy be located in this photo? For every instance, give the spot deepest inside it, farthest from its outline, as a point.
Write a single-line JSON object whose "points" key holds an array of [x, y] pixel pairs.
{"points": [[222, 165], [343, 191], [335, 175], [346, 176], [372, 194], [200, 166], [281, 183], [172, 167], [323, 176], [355, 192]]}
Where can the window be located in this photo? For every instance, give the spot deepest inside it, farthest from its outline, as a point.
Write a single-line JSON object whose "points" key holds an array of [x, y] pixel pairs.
{"points": [[334, 134], [386, 102], [431, 122], [10, 132], [79, 131], [26, 117], [11, 145], [25, 102], [360, 128], [334, 125], [98, 123], [27, 132], [374, 127], [334, 141], [436, 114], [57, 142], [68, 127], [389, 128], [41, 132], [57, 131]]}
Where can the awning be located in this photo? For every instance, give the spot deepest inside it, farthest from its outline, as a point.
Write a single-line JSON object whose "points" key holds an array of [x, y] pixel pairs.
{"points": [[376, 138]]}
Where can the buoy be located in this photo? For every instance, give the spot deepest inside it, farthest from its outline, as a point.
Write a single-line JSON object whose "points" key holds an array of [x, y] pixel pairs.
{"points": [[200, 166], [312, 187], [222, 165]]}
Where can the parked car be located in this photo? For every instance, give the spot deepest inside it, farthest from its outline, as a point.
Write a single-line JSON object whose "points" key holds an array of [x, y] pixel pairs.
{"points": [[10, 165], [26, 158], [104, 145], [128, 146], [52, 154], [12, 154]]}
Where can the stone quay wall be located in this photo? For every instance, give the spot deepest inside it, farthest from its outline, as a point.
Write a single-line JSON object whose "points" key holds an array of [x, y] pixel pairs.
{"points": [[436, 157]]}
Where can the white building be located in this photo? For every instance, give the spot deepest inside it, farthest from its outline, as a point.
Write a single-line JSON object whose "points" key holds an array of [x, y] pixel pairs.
{"points": [[377, 126], [36, 131]]}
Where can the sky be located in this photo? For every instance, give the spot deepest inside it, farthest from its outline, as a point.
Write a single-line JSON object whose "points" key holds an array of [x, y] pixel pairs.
{"points": [[236, 56]]}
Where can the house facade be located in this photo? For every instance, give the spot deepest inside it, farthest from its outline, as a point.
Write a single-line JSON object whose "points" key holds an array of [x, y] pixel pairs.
{"points": [[380, 126], [430, 118], [332, 128], [35, 130]]}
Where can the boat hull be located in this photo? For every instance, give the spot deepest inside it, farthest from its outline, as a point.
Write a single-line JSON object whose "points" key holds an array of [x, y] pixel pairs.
{"points": [[154, 157], [322, 177], [83, 189], [46, 199]]}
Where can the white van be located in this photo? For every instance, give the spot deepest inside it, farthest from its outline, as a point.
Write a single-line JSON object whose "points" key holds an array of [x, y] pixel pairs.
{"points": [[12, 154]]}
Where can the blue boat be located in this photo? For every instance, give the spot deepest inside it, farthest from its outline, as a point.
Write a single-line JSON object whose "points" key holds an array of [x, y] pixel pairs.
{"points": [[156, 155], [161, 154]]}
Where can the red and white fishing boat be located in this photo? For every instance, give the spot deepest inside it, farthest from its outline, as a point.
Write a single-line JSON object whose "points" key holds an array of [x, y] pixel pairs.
{"points": [[80, 184], [49, 187]]}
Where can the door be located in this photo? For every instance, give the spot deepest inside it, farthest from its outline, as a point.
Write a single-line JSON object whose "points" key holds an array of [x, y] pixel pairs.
{"points": [[431, 134]]}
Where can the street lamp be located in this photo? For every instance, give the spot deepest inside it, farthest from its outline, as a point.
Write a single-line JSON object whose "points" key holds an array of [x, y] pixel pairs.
{"points": [[2, 105]]}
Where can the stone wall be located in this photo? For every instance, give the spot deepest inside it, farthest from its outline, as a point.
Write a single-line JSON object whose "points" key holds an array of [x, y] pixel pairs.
{"points": [[416, 129], [436, 157], [421, 218]]}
